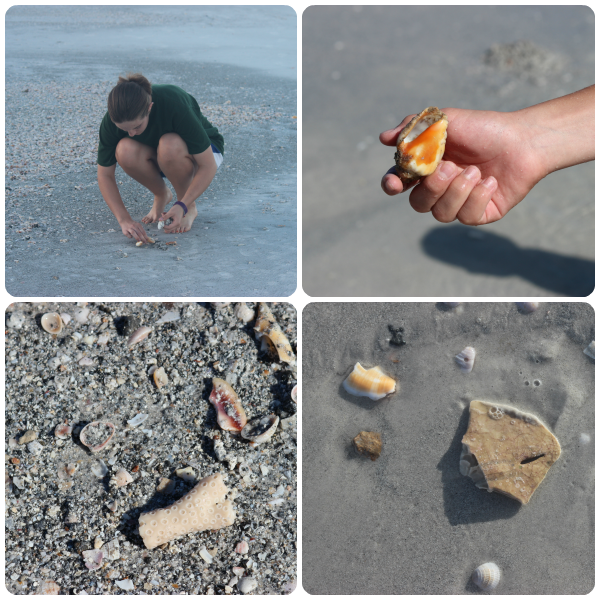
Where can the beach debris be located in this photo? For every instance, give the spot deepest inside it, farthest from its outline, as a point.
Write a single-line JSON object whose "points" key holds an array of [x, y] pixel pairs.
{"points": [[103, 338], [421, 145], [99, 469], [372, 383], [527, 307], [169, 317], [65, 318], [160, 378], [186, 474], [165, 486], [28, 436], [35, 448], [81, 315], [295, 393], [230, 413], [242, 547], [112, 506], [111, 550], [49, 588], [89, 340], [204, 507], [16, 320], [138, 335], [137, 420], [397, 338], [125, 584], [150, 241], [93, 559], [206, 555], [368, 443], [122, 478], [591, 350], [52, 323], [86, 361], [247, 585], [161, 224], [272, 338], [260, 429], [487, 576], [219, 449], [98, 542], [243, 312], [96, 435], [466, 359], [506, 451]]}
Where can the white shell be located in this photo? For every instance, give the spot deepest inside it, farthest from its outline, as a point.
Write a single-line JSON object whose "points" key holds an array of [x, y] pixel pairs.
{"points": [[169, 317], [137, 420], [260, 429], [138, 335], [466, 359], [122, 478], [487, 576], [243, 312], [52, 323], [99, 469], [591, 350], [247, 584]]}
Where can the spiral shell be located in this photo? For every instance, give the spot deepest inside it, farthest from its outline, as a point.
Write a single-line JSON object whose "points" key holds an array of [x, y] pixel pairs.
{"points": [[487, 576], [466, 359], [52, 323]]}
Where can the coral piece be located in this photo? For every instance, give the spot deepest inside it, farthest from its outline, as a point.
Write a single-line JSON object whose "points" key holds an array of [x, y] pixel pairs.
{"points": [[368, 443], [230, 413], [507, 451], [372, 383], [202, 508], [466, 359]]}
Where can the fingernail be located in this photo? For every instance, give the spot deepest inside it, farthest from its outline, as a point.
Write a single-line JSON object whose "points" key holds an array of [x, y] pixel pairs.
{"points": [[471, 172], [489, 183], [447, 170]]}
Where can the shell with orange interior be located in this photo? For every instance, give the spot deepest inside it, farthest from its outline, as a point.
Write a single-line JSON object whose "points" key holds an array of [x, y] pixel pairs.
{"points": [[421, 145], [372, 383]]}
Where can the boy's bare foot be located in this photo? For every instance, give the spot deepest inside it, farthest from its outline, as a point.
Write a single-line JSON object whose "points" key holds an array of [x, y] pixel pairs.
{"points": [[186, 222], [160, 202]]}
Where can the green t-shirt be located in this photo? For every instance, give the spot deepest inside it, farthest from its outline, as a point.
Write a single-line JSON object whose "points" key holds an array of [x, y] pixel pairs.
{"points": [[174, 111]]}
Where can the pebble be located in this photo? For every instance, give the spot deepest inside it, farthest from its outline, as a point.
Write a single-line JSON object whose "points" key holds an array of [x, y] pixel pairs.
{"points": [[28, 436], [247, 585]]}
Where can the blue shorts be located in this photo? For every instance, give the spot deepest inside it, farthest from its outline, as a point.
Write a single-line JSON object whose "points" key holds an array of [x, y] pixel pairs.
{"points": [[216, 153]]}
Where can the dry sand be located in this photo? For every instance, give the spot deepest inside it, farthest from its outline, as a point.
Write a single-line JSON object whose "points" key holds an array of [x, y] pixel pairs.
{"points": [[410, 523]]}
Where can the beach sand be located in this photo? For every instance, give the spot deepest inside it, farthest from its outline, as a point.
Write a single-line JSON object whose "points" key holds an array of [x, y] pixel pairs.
{"points": [[410, 523]]}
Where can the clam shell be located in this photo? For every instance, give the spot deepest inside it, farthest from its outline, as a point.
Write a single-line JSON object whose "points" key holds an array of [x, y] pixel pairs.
{"points": [[86, 433], [52, 323], [160, 378], [487, 576], [421, 145], [138, 335], [261, 428], [122, 478], [466, 359], [230, 413], [372, 383]]}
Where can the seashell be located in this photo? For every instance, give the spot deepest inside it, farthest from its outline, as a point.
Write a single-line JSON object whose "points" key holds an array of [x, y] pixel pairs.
{"points": [[89, 340], [52, 323], [97, 435], [591, 350], [98, 542], [112, 506], [206, 555], [71, 468], [169, 317], [81, 315], [28, 436], [111, 550], [242, 547], [261, 428], [122, 478], [103, 339], [65, 318], [93, 559], [99, 469], [487, 576], [243, 312], [295, 393], [230, 413], [160, 378], [86, 361], [372, 383], [165, 486], [527, 307], [137, 420], [421, 145], [125, 584], [138, 335], [247, 585], [272, 337], [290, 586], [466, 359], [63, 431], [50, 588], [35, 448], [186, 474]]}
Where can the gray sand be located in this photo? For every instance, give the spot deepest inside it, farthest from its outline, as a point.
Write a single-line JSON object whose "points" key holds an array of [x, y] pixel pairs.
{"points": [[410, 523]]}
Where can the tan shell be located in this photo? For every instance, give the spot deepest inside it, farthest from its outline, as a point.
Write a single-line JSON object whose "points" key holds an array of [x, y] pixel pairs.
{"points": [[52, 323], [160, 378], [272, 337], [421, 145], [372, 383]]}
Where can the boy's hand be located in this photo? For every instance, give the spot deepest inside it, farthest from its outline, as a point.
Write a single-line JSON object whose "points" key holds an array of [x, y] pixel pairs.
{"points": [[133, 229], [176, 214]]}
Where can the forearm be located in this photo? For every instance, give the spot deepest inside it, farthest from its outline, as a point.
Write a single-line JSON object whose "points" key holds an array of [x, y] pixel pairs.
{"points": [[202, 179], [560, 131], [112, 197]]}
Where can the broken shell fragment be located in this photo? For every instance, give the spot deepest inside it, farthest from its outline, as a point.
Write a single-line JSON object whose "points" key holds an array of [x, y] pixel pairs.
{"points": [[295, 394], [50, 588], [122, 478], [97, 435], [368, 443], [243, 312], [93, 559], [271, 336], [527, 307], [160, 378], [242, 547], [52, 323], [261, 428], [421, 145], [99, 469], [487, 576], [247, 585], [507, 451], [230, 413], [466, 359], [138, 335], [372, 383], [63, 431], [591, 350], [137, 420]]}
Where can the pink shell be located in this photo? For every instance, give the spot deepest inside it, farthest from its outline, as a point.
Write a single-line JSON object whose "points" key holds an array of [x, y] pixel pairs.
{"points": [[242, 548], [93, 559], [230, 413], [62, 431], [84, 433]]}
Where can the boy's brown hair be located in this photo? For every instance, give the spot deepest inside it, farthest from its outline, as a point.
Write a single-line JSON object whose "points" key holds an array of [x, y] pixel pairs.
{"points": [[130, 99]]}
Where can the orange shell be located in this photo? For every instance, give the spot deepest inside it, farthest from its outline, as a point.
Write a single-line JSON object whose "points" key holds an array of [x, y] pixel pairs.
{"points": [[372, 383], [421, 145]]}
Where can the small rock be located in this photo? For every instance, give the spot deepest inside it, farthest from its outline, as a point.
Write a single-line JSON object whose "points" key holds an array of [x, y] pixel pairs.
{"points": [[165, 486], [369, 444], [247, 585], [28, 436], [35, 448]]}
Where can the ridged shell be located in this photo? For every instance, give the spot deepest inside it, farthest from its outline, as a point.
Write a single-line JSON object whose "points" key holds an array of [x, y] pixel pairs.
{"points": [[466, 359], [372, 383], [230, 413], [52, 323], [138, 335], [421, 145], [487, 576]]}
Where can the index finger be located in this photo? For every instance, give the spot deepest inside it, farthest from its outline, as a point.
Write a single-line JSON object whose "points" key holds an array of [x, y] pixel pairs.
{"points": [[390, 137], [139, 233]]}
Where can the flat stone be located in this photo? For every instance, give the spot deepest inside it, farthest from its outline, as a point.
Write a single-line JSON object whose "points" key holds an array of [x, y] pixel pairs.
{"points": [[369, 444], [507, 451]]}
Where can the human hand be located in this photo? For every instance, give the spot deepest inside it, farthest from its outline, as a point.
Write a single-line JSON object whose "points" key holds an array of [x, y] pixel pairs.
{"points": [[489, 166], [176, 214], [133, 229]]}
